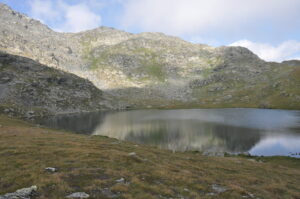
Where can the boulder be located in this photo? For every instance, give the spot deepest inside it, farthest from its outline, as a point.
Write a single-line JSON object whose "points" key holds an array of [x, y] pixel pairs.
{"points": [[24, 193], [78, 195]]}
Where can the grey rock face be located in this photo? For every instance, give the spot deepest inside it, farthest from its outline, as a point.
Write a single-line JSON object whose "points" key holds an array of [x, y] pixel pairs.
{"points": [[34, 89], [78, 195], [25, 193]]}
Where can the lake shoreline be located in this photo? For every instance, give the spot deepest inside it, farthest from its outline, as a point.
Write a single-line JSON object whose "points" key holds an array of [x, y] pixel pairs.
{"points": [[13, 111]]}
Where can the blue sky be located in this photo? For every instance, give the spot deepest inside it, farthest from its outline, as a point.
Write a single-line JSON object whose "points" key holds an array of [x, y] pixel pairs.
{"points": [[270, 28]]}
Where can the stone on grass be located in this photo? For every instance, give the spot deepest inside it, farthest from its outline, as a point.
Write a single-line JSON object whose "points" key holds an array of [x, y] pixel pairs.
{"points": [[218, 189], [78, 195], [121, 180], [25, 193], [51, 169], [132, 154]]}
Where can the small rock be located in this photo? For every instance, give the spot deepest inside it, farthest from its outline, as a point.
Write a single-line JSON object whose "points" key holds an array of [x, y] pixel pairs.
{"points": [[132, 154], [186, 189], [78, 195], [249, 195], [121, 180], [24, 193], [115, 143], [51, 169], [218, 189], [30, 112]]}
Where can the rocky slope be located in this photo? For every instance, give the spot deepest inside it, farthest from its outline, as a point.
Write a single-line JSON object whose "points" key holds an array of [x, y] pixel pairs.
{"points": [[28, 89], [155, 70]]}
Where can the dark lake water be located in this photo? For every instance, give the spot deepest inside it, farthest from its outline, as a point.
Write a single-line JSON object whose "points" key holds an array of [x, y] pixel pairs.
{"points": [[257, 131]]}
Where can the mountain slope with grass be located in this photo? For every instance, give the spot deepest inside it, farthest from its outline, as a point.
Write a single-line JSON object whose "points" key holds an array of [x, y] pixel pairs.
{"points": [[153, 69]]}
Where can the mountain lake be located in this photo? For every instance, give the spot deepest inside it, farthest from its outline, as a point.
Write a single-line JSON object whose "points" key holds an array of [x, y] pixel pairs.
{"points": [[261, 132]]}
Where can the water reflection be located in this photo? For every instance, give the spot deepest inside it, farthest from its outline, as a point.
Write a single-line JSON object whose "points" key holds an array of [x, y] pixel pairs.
{"points": [[261, 132], [83, 123]]}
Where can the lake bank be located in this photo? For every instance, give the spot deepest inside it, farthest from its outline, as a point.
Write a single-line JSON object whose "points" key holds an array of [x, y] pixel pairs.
{"points": [[105, 167]]}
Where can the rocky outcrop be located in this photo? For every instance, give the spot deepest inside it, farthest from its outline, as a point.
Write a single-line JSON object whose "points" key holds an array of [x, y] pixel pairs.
{"points": [[153, 69], [25, 193], [28, 89]]}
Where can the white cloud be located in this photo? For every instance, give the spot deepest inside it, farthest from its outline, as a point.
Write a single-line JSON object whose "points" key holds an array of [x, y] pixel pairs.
{"points": [[284, 51], [180, 17], [66, 18], [79, 17], [43, 10]]}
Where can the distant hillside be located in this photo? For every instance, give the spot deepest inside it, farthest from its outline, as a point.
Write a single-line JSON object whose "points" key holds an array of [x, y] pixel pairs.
{"points": [[153, 69]]}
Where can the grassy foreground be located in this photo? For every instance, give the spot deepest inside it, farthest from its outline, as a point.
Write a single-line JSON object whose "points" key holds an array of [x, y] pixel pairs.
{"points": [[92, 164]]}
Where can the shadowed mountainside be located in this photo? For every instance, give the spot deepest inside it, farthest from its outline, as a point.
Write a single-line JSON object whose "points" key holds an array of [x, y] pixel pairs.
{"points": [[28, 88]]}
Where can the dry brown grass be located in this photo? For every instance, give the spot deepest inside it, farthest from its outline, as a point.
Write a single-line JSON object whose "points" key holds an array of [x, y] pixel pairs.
{"points": [[91, 164]]}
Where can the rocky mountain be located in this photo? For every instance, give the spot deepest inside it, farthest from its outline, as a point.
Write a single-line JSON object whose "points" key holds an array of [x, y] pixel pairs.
{"points": [[153, 69], [28, 89]]}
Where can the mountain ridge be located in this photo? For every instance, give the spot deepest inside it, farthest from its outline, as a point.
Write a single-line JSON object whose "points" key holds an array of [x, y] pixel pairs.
{"points": [[160, 71]]}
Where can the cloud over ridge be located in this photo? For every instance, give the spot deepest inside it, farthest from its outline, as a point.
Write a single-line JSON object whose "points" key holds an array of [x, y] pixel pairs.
{"points": [[268, 52], [193, 16], [270, 27], [64, 17]]}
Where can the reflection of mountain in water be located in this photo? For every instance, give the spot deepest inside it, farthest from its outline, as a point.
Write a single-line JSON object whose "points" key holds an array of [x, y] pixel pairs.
{"points": [[188, 135], [83, 123], [231, 130], [238, 139], [177, 134]]}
